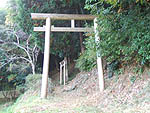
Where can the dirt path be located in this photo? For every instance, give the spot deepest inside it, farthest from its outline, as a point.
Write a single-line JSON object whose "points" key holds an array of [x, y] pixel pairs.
{"points": [[73, 100], [81, 95]]}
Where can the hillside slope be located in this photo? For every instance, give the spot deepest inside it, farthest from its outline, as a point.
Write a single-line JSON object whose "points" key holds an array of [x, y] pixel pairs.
{"points": [[126, 93]]}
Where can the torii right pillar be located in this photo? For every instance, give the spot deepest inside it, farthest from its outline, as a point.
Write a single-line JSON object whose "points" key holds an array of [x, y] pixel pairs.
{"points": [[99, 60]]}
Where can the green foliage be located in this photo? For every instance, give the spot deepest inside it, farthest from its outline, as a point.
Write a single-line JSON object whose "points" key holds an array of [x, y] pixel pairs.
{"points": [[132, 79], [19, 30], [87, 60], [124, 30], [32, 80], [65, 44], [23, 17], [2, 16], [9, 74], [11, 77], [59, 45], [125, 37]]}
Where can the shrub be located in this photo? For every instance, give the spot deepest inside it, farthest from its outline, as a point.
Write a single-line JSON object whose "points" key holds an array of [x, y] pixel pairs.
{"points": [[87, 60], [124, 31], [33, 83], [125, 36], [32, 80]]}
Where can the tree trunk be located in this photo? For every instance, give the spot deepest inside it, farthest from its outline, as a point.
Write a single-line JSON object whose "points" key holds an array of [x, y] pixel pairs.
{"points": [[81, 42], [33, 68], [81, 35], [57, 66]]}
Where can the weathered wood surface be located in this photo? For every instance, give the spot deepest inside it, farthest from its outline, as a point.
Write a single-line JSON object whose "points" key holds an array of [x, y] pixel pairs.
{"points": [[66, 69], [61, 74], [72, 23], [99, 60], [65, 29], [46, 59], [40, 16], [63, 71]]}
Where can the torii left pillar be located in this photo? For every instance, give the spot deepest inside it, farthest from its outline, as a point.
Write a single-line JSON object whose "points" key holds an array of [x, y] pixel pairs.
{"points": [[46, 59]]}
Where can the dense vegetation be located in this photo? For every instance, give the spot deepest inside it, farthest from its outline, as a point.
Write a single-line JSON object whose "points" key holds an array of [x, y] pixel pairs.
{"points": [[124, 31], [123, 27], [22, 49]]}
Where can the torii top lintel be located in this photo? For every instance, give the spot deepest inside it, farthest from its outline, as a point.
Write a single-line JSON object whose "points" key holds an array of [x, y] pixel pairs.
{"points": [[40, 16]]}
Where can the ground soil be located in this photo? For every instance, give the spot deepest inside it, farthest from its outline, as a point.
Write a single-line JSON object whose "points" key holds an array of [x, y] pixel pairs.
{"points": [[124, 93]]}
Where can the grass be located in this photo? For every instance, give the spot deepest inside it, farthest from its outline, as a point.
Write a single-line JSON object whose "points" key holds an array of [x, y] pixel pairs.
{"points": [[86, 109], [35, 104], [110, 101], [4, 104]]}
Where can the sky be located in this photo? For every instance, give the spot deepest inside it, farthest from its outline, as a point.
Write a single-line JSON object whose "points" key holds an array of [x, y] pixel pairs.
{"points": [[3, 3]]}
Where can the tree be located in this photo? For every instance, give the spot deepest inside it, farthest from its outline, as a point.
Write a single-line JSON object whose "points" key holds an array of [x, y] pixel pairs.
{"points": [[15, 48], [25, 7], [123, 28], [18, 55], [16, 45]]}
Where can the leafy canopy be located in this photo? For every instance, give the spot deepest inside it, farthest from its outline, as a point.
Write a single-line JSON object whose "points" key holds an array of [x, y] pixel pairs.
{"points": [[124, 27]]}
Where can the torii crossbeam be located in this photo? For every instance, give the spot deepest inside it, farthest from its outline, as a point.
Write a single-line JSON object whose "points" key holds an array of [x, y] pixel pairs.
{"points": [[48, 28]]}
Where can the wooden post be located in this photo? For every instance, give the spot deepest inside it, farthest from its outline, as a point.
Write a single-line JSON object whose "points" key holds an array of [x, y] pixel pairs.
{"points": [[60, 74], [66, 70], [46, 59], [72, 24], [64, 73], [99, 60]]}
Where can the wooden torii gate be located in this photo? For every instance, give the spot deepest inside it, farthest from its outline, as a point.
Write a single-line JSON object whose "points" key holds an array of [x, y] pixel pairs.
{"points": [[48, 28]]}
